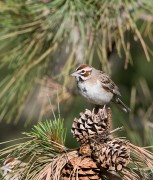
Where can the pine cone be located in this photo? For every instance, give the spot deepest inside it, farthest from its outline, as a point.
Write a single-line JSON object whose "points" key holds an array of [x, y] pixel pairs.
{"points": [[91, 124], [112, 155], [82, 169]]}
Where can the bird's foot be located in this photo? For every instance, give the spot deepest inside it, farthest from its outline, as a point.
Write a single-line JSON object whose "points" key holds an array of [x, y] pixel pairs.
{"points": [[96, 109], [103, 110]]}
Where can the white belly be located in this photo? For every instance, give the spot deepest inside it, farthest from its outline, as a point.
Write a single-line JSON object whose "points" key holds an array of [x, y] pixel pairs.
{"points": [[94, 93]]}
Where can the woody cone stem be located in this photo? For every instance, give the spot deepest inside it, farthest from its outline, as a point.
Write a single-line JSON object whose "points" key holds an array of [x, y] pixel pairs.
{"points": [[99, 152]]}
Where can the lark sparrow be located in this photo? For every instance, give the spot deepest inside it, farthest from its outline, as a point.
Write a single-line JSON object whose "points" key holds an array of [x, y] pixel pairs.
{"points": [[97, 87]]}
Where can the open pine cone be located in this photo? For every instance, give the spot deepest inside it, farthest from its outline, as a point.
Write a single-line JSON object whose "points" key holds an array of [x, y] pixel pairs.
{"points": [[91, 124], [112, 155], [83, 168]]}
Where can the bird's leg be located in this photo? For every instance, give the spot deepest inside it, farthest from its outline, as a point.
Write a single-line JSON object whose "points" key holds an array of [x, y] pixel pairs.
{"points": [[97, 107], [105, 111]]}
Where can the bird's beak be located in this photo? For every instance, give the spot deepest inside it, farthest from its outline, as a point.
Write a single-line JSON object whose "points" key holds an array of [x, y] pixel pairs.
{"points": [[74, 74]]}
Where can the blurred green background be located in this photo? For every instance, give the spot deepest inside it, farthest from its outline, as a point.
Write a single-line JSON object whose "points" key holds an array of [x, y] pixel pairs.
{"points": [[42, 42]]}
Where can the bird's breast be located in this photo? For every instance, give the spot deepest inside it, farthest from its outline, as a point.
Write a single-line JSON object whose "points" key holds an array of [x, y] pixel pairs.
{"points": [[94, 92]]}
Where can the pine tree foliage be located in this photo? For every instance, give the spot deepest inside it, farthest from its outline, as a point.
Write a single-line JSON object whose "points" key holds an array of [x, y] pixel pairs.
{"points": [[34, 33]]}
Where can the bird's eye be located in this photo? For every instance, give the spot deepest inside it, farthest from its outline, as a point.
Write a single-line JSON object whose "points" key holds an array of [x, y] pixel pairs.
{"points": [[83, 71]]}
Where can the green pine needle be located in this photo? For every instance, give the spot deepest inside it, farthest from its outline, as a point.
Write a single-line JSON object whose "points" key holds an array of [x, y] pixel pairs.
{"points": [[50, 131]]}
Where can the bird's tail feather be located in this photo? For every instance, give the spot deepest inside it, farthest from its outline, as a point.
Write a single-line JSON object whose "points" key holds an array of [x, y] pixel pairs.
{"points": [[121, 105]]}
